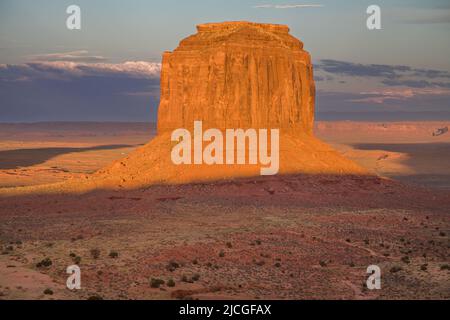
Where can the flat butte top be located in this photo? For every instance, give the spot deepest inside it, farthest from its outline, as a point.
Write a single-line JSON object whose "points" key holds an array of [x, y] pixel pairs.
{"points": [[242, 33]]}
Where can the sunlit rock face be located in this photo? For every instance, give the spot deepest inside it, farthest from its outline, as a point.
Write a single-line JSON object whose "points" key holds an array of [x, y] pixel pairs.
{"points": [[238, 75]]}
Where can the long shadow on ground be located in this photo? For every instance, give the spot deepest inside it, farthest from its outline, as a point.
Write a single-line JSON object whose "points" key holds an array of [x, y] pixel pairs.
{"points": [[14, 159]]}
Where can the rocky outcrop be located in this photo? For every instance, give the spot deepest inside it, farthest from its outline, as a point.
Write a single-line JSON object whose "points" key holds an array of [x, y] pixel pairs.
{"points": [[238, 75]]}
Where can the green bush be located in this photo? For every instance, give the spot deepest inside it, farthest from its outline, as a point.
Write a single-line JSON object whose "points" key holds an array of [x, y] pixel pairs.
{"points": [[156, 283], [48, 291], [47, 262], [114, 254], [171, 283]]}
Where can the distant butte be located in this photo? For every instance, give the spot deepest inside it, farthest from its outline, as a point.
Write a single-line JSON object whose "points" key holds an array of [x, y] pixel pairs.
{"points": [[238, 75]]}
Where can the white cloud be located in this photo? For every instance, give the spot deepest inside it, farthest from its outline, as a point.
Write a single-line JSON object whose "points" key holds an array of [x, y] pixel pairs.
{"points": [[75, 56], [379, 97], [64, 70]]}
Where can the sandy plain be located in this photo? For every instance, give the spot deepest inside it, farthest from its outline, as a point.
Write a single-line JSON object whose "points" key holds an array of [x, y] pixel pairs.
{"points": [[285, 237]]}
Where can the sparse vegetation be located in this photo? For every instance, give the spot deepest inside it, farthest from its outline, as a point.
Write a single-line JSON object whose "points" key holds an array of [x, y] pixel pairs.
{"points": [[95, 253], [322, 263], [229, 245], [48, 292], [424, 267], [156, 283], [395, 269], [406, 260], [171, 283], [172, 266], [114, 254], [196, 277], [445, 267], [186, 279], [47, 262], [222, 254]]}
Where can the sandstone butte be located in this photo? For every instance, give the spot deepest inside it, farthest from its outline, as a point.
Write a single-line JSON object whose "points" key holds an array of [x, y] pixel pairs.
{"points": [[229, 75]]}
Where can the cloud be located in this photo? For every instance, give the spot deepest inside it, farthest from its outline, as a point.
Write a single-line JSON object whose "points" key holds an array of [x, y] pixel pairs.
{"points": [[73, 56], [415, 83], [360, 70], [376, 70], [67, 70], [380, 97], [71, 91], [287, 6]]}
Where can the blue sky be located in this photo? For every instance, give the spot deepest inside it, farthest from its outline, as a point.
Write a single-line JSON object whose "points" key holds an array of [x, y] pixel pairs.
{"points": [[33, 35]]}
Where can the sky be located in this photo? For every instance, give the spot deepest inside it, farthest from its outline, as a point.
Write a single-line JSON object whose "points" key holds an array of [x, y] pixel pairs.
{"points": [[109, 70]]}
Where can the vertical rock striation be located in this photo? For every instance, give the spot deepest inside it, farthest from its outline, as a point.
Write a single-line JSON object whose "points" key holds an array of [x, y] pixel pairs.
{"points": [[238, 75]]}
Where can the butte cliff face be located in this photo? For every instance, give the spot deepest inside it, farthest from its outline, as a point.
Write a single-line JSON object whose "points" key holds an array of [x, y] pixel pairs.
{"points": [[238, 75]]}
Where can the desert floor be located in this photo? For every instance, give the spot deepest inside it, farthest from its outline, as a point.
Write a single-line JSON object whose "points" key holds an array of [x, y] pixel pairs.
{"points": [[284, 237]]}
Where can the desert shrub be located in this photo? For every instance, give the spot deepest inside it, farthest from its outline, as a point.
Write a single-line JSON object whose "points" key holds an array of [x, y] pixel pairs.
{"points": [[95, 253], [196, 277], [48, 291], [156, 283], [406, 260], [72, 255], [322, 263], [171, 283], [47, 262], [395, 269], [172, 266], [445, 267], [114, 254], [77, 260], [222, 254]]}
